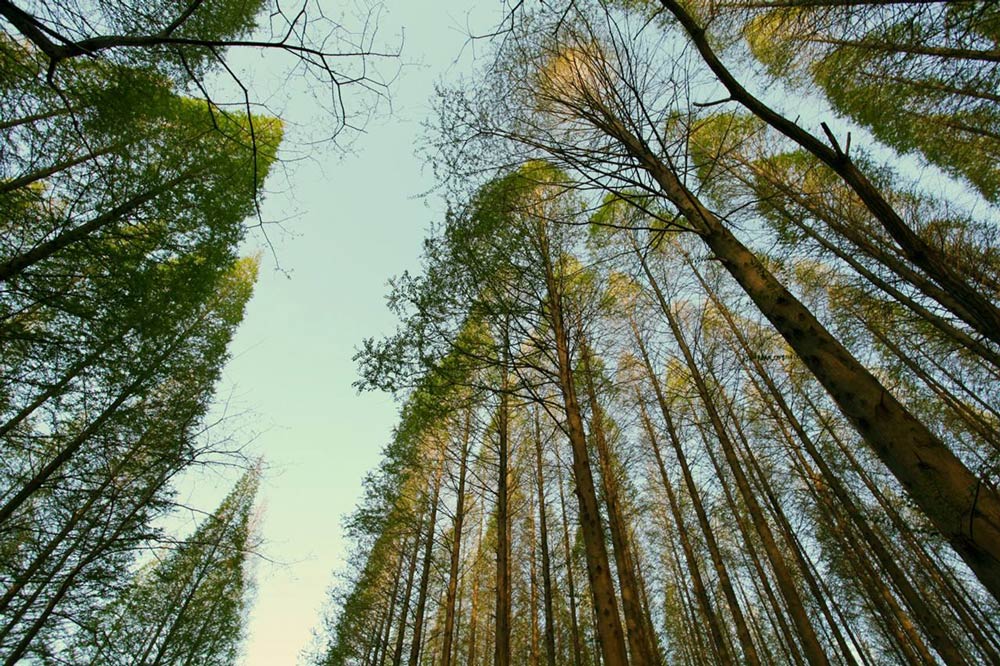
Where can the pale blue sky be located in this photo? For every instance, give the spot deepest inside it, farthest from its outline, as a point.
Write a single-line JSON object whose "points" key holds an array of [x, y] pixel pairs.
{"points": [[359, 221]]}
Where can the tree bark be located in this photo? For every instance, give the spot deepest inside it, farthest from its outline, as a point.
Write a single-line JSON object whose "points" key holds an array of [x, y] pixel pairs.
{"points": [[961, 507], [456, 545], [742, 631], [638, 641], [608, 621]]}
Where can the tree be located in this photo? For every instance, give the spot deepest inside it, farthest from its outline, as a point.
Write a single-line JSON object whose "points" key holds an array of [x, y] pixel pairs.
{"points": [[189, 607]]}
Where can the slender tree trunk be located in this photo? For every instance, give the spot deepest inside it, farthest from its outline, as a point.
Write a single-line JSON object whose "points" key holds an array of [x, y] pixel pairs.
{"points": [[34, 118], [456, 545], [501, 655], [17, 265], [742, 632], [543, 533], [397, 656], [55, 389], [783, 575], [752, 556], [95, 494], [380, 654], [693, 643], [70, 449], [966, 514], [638, 641], [474, 603], [425, 573], [70, 579], [533, 588], [709, 618], [609, 628], [570, 586], [41, 174]]}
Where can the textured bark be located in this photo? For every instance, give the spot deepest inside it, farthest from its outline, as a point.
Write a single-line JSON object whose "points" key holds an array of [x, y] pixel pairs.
{"points": [[742, 632], [963, 509], [982, 313], [890, 261], [456, 545], [608, 622], [638, 641]]}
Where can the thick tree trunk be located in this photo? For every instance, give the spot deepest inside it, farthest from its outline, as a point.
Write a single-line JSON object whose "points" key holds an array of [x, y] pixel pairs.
{"points": [[982, 313], [964, 510]]}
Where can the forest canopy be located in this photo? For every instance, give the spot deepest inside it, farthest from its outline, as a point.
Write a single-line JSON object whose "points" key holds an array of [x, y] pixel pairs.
{"points": [[709, 383], [128, 183], [699, 365]]}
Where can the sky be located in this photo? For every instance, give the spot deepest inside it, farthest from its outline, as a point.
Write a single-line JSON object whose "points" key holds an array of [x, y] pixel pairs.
{"points": [[352, 221]]}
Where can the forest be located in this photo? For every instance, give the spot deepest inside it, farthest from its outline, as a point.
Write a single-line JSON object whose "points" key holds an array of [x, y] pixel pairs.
{"points": [[699, 366]]}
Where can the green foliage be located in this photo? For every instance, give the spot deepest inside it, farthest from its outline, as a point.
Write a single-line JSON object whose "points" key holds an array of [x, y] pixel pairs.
{"points": [[187, 607], [122, 205]]}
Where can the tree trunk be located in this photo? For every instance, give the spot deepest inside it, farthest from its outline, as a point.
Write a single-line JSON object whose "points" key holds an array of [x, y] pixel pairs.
{"points": [[965, 511], [456, 545], [638, 641], [397, 655], [609, 628], [983, 315], [543, 533], [742, 632], [501, 654], [570, 586], [709, 618], [425, 573]]}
